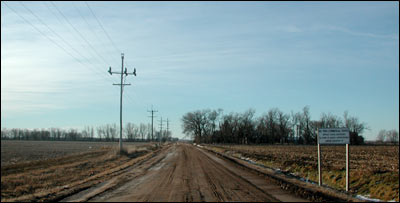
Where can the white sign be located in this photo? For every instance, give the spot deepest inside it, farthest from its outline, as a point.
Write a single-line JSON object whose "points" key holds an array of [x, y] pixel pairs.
{"points": [[334, 136]]}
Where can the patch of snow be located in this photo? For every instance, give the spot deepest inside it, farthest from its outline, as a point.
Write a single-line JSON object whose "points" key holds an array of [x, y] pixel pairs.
{"points": [[367, 198], [251, 161]]}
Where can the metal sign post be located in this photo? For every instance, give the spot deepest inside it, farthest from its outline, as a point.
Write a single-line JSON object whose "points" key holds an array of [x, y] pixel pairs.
{"points": [[319, 162], [347, 167], [334, 136]]}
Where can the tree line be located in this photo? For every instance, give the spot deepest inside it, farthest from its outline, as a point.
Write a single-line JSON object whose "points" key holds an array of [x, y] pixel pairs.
{"points": [[388, 136], [108, 132], [275, 126]]}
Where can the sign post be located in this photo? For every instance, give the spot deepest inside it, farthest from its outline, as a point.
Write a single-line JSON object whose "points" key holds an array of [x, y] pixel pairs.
{"points": [[319, 162], [334, 136], [347, 167]]}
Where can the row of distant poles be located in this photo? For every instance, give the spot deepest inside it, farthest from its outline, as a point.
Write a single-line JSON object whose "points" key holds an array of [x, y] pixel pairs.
{"points": [[122, 73], [152, 111]]}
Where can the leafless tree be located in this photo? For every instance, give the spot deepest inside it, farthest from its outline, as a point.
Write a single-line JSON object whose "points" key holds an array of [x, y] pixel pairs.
{"points": [[392, 136], [142, 131], [381, 136], [129, 131], [330, 121], [355, 127]]}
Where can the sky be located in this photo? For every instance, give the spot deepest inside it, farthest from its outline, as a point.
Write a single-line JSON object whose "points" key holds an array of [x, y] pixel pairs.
{"points": [[330, 56]]}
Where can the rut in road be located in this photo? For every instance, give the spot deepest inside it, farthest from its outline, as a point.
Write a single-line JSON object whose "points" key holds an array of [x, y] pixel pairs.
{"points": [[185, 173]]}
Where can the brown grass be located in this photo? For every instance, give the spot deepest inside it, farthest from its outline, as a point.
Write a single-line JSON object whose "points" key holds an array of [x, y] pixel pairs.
{"points": [[374, 170], [42, 179]]}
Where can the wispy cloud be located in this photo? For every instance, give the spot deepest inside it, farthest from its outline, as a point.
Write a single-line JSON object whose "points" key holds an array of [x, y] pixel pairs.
{"points": [[290, 29], [194, 55], [352, 32]]}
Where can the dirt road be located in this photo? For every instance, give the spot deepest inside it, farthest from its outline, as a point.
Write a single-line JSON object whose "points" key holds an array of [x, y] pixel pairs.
{"points": [[182, 173]]}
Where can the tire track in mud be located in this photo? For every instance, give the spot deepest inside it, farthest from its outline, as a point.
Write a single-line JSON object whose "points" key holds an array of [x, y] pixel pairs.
{"points": [[232, 190], [117, 178], [184, 173]]}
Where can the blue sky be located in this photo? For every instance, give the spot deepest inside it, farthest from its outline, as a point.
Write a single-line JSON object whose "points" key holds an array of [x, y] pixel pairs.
{"points": [[331, 56]]}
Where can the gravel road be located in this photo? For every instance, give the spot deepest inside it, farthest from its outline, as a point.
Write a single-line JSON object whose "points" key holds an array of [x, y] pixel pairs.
{"points": [[183, 173]]}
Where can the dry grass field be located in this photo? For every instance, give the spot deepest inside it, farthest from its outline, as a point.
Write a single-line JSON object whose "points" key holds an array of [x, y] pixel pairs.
{"points": [[13, 152], [374, 169], [44, 170]]}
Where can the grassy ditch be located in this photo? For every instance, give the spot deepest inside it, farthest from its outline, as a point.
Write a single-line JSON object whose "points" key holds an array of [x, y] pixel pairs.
{"points": [[374, 170]]}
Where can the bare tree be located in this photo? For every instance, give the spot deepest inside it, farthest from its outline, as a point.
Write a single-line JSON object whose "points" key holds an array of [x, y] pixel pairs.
{"points": [[330, 121], [355, 127], [100, 132], [142, 131], [381, 136], [129, 131], [192, 124], [284, 126], [392, 136], [246, 127]]}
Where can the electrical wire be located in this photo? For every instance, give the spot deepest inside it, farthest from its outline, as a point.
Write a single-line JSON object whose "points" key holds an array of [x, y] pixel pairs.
{"points": [[51, 40], [80, 34], [108, 36], [92, 30], [55, 33], [115, 47]]}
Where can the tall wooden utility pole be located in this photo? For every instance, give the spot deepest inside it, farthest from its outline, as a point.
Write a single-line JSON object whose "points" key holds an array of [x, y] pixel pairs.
{"points": [[152, 116], [120, 101], [161, 120], [167, 127]]}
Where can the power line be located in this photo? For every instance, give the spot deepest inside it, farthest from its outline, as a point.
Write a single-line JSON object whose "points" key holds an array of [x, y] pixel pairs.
{"points": [[74, 34], [112, 42], [51, 40], [152, 116], [55, 33], [122, 73], [80, 34], [92, 30], [59, 20], [98, 21], [115, 47], [72, 31], [54, 42]]}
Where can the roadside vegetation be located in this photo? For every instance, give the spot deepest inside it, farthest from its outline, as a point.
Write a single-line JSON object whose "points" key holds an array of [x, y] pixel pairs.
{"points": [[288, 142], [374, 170], [49, 179]]}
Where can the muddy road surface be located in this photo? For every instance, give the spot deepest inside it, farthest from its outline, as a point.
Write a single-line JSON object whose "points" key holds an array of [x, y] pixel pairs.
{"points": [[182, 173]]}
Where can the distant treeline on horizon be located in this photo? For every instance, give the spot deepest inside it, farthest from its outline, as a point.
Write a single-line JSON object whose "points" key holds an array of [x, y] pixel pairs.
{"points": [[108, 132], [275, 126]]}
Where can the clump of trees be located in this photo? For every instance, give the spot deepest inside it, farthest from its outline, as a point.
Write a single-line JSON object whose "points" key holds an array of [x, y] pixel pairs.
{"points": [[388, 136], [108, 132], [275, 126]]}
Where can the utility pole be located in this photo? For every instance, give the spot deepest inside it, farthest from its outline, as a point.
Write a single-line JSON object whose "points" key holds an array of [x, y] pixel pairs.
{"points": [[120, 101], [161, 120], [167, 128], [152, 116]]}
